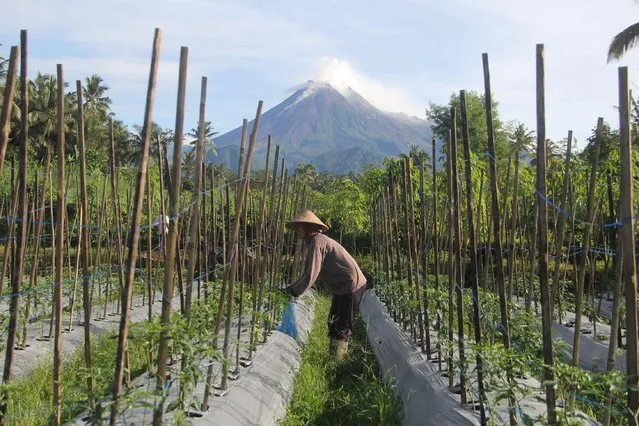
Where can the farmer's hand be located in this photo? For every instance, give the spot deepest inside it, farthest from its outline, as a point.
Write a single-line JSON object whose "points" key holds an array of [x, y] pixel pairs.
{"points": [[289, 292]]}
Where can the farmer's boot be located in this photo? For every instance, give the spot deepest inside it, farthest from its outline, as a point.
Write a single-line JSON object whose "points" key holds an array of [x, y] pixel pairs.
{"points": [[341, 350], [332, 347]]}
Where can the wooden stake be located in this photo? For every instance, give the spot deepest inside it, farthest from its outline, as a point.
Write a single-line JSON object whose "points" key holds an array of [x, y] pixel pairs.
{"points": [[59, 273], [495, 213], [496, 217], [21, 234], [627, 235], [242, 196], [474, 282], [134, 231], [451, 250], [413, 259], [583, 262], [424, 251], [559, 239], [84, 238], [115, 196], [542, 234], [436, 248], [614, 321], [195, 206], [459, 283], [9, 92]]}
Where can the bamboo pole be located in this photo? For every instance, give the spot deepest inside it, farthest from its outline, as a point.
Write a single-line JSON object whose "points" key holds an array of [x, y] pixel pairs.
{"points": [[59, 275], [259, 290], [451, 249], [9, 244], [495, 213], [195, 205], [424, 257], [224, 289], [234, 246], [205, 253], [542, 234], [559, 239], [474, 283], [278, 240], [235, 374], [390, 249], [31, 230], [398, 265], [627, 236], [220, 307], [110, 265], [134, 231], [36, 255], [21, 234], [171, 246], [240, 166], [459, 283], [209, 374], [194, 241], [149, 244], [78, 252], [496, 217], [163, 235], [84, 238], [583, 262], [115, 197], [9, 92], [436, 249], [85, 247], [411, 234], [409, 251], [512, 248], [614, 321], [53, 257], [274, 243]]}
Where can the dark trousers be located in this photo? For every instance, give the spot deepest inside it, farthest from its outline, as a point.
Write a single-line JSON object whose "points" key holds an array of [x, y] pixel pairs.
{"points": [[342, 315]]}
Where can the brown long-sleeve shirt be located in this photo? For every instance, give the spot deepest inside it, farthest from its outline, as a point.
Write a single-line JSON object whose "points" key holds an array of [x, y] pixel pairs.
{"points": [[331, 263]]}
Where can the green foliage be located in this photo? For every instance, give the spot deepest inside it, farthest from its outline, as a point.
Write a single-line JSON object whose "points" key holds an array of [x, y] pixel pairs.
{"points": [[351, 391], [522, 360], [440, 115], [30, 397]]}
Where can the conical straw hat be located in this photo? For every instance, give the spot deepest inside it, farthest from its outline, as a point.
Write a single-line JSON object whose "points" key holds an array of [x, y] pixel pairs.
{"points": [[307, 216]]}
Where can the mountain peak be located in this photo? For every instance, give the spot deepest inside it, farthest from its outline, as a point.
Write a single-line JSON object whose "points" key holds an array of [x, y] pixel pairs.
{"points": [[316, 87], [313, 86]]}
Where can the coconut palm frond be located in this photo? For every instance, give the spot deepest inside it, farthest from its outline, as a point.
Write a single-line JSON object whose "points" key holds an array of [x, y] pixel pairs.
{"points": [[623, 42]]}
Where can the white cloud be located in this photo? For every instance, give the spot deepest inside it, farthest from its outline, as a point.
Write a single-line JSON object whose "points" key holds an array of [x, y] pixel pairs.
{"points": [[341, 73], [398, 56]]}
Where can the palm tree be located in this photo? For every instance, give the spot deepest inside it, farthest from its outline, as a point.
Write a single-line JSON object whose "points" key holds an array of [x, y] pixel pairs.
{"points": [[188, 163], [306, 172], [521, 138], [136, 141], [623, 42], [95, 99], [3, 68], [416, 153], [209, 146], [43, 113]]}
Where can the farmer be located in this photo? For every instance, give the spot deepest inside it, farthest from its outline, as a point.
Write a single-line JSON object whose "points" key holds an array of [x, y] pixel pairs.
{"points": [[331, 263]]}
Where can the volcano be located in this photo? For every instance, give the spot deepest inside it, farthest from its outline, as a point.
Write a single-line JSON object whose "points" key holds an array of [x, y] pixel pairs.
{"points": [[334, 128]]}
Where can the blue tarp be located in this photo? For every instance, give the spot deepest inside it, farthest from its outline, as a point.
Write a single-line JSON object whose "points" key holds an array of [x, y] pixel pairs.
{"points": [[288, 325]]}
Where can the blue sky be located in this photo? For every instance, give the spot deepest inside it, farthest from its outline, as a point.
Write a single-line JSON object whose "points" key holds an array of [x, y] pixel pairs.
{"points": [[400, 55]]}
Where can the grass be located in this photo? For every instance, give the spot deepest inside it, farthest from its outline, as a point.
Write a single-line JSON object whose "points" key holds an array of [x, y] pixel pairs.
{"points": [[31, 397], [347, 393]]}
